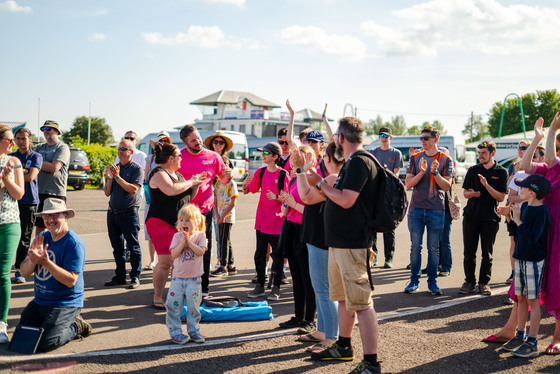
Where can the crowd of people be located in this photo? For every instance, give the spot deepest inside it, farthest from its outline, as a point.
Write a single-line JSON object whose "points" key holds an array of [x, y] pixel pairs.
{"points": [[309, 215]]}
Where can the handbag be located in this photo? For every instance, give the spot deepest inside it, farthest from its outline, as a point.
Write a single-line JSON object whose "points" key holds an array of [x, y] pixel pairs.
{"points": [[454, 203]]}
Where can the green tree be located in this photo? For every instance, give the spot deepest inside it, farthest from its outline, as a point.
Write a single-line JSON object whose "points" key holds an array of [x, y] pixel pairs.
{"points": [[100, 133], [475, 129], [373, 125], [437, 124], [540, 104], [414, 130], [397, 125]]}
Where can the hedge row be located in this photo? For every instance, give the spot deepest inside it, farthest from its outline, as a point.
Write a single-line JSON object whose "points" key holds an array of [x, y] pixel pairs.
{"points": [[99, 156]]}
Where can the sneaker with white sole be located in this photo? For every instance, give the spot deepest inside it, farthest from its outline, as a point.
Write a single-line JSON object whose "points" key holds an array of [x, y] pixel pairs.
{"points": [[484, 289], [274, 294], [197, 338], [180, 339], [365, 367], [466, 288], [258, 291], [4, 332]]}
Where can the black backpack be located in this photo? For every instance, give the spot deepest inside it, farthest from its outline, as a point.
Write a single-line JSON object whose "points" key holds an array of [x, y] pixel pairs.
{"points": [[281, 178], [391, 203]]}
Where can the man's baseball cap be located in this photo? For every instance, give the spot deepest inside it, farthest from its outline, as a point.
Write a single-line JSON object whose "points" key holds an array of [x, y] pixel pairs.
{"points": [[50, 123], [386, 131], [315, 135], [272, 147], [537, 183]]}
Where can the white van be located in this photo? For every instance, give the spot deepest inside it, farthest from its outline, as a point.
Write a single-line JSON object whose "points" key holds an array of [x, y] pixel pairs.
{"points": [[403, 144], [238, 154], [506, 149]]}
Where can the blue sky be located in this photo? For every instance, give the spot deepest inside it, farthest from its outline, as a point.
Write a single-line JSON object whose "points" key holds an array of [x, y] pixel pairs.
{"points": [[141, 62]]}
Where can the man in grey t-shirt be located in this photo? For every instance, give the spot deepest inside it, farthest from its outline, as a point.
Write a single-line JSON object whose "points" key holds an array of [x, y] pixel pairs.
{"points": [[53, 176], [391, 158]]}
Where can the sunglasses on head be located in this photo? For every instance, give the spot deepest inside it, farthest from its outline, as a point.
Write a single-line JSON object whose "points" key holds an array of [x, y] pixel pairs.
{"points": [[217, 141], [384, 136], [266, 153], [522, 148], [129, 138], [425, 137], [282, 142], [124, 149]]}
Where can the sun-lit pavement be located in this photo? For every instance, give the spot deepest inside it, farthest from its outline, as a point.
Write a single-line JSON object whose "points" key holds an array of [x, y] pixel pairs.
{"points": [[418, 333]]}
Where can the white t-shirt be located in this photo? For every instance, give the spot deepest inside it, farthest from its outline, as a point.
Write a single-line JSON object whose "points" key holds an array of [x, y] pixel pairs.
{"points": [[520, 175]]}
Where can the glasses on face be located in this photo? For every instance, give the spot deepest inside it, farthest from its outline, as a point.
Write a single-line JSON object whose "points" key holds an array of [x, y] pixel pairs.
{"points": [[124, 149], [50, 216], [282, 142], [312, 141], [426, 137], [266, 153], [178, 155], [10, 140], [47, 128], [522, 148], [384, 136], [217, 141], [129, 138]]}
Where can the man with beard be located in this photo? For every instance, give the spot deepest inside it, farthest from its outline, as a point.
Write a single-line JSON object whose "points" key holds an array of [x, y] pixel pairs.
{"points": [[349, 239], [196, 160], [485, 186], [57, 258], [53, 177]]}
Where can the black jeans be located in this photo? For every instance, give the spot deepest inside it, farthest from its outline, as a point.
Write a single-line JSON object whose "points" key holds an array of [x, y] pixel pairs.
{"points": [[472, 231], [27, 221], [263, 240], [388, 243], [226, 252], [304, 295], [207, 255]]}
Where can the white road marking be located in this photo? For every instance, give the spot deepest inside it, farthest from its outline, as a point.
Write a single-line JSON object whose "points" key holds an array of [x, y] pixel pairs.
{"points": [[212, 342]]}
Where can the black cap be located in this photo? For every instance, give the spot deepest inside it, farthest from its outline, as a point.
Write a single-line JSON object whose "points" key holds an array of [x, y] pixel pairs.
{"points": [[385, 130], [272, 147], [537, 183]]}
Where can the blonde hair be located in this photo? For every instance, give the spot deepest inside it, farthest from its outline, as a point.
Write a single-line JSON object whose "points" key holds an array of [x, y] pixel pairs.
{"points": [[524, 142], [191, 213]]}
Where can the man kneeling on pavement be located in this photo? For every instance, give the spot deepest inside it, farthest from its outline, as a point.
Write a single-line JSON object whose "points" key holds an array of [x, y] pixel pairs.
{"points": [[57, 258]]}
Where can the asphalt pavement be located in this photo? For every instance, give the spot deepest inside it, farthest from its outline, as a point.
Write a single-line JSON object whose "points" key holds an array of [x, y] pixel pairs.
{"points": [[419, 333]]}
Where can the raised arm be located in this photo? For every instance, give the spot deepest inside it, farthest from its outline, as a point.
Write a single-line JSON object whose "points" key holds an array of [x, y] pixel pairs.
{"points": [[550, 147], [526, 162], [330, 134], [290, 133]]}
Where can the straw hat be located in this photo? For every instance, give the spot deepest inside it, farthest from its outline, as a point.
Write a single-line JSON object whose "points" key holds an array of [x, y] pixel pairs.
{"points": [[208, 140], [159, 137], [54, 205]]}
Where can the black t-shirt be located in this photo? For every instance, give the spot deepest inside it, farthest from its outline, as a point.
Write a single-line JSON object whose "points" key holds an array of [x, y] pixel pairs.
{"points": [[483, 208], [312, 225], [532, 234], [347, 228], [166, 207]]}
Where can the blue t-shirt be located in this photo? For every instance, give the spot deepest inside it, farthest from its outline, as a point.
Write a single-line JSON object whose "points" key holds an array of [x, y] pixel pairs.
{"points": [[532, 234], [68, 253], [120, 199], [30, 160]]}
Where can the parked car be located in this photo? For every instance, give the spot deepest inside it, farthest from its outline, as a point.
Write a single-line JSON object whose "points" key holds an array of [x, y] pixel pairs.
{"points": [[79, 169]]}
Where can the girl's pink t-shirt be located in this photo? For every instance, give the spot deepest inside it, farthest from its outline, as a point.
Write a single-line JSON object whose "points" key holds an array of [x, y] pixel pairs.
{"points": [[188, 264], [294, 215], [269, 216]]}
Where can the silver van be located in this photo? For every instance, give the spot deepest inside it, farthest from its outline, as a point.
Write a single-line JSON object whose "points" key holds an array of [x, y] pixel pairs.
{"points": [[238, 154]]}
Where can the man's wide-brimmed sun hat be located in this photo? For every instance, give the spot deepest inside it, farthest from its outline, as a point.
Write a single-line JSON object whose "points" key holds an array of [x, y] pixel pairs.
{"points": [[54, 205]]}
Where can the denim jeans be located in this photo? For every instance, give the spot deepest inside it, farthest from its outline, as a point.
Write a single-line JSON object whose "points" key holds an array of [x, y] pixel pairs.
{"points": [[432, 219], [445, 256], [59, 324], [181, 290], [121, 227], [327, 310]]}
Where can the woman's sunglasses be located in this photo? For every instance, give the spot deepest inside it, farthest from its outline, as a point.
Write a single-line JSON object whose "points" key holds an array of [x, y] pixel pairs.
{"points": [[216, 141]]}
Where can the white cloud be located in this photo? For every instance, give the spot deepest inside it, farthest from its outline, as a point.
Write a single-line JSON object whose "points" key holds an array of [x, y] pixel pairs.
{"points": [[202, 37], [317, 40], [239, 3], [12, 6], [471, 25], [96, 37]]}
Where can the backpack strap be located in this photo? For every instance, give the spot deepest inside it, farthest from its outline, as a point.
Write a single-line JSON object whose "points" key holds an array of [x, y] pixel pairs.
{"points": [[261, 174], [323, 168], [281, 178]]}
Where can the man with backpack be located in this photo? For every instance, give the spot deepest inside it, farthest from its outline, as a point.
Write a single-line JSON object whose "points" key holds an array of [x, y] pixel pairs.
{"points": [[270, 180], [349, 238], [391, 158], [429, 173]]}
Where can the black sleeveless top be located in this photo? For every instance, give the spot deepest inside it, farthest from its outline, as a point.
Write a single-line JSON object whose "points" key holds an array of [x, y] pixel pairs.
{"points": [[312, 227], [166, 207]]}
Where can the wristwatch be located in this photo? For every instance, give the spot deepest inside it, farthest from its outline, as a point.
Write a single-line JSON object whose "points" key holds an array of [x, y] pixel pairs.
{"points": [[117, 177], [300, 171], [318, 185]]}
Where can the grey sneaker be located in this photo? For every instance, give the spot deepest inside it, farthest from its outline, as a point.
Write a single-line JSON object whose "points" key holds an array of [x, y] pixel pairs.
{"points": [[466, 288], [364, 367], [258, 291], [197, 338], [388, 264], [274, 294], [513, 344], [484, 289], [84, 328]]}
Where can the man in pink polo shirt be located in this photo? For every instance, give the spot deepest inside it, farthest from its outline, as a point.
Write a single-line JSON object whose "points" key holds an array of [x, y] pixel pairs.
{"points": [[195, 160]]}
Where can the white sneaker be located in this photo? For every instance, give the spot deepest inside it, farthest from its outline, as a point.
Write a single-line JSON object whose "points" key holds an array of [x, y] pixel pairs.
{"points": [[4, 332]]}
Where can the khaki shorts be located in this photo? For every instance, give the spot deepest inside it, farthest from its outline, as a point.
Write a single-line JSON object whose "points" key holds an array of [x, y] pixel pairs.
{"points": [[348, 279]]}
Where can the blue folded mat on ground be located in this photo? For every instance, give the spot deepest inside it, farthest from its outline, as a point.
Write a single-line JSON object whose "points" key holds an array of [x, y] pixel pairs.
{"points": [[250, 311]]}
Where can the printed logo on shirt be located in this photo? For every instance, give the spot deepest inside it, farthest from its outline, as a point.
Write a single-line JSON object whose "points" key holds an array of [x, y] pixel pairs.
{"points": [[42, 273], [276, 181], [207, 162], [494, 177]]}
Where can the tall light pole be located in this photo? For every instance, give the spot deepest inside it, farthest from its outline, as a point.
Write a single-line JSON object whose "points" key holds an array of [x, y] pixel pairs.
{"points": [[89, 123]]}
